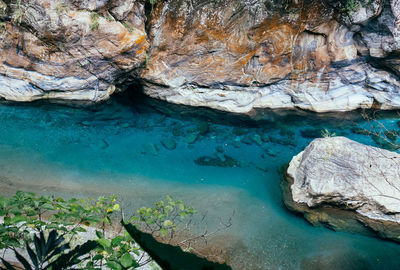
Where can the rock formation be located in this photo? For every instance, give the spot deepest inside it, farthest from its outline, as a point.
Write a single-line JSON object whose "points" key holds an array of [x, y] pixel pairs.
{"points": [[231, 55], [241, 55], [75, 50], [346, 185]]}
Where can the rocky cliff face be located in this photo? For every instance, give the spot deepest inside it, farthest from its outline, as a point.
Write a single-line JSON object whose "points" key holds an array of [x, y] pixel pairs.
{"points": [[232, 55], [238, 55], [346, 185], [69, 49]]}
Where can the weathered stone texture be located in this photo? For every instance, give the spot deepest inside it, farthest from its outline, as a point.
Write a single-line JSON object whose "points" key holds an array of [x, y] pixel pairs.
{"points": [[346, 185], [232, 55], [241, 55], [68, 50]]}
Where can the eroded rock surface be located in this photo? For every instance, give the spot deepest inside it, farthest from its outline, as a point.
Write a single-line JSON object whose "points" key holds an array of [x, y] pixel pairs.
{"points": [[75, 50], [238, 55], [346, 185], [231, 55]]}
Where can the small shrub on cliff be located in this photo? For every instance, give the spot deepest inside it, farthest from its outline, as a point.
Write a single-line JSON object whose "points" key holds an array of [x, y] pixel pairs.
{"points": [[94, 24], [18, 13], [127, 26], [353, 5], [61, 7]]}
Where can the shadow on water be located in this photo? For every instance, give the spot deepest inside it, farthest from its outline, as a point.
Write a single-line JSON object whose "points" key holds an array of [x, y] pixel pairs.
{"points": [[171, 257], [257, 118]]}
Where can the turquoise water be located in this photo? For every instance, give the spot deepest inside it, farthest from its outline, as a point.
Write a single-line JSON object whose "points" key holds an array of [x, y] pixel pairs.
{"points": [[116, 148]]}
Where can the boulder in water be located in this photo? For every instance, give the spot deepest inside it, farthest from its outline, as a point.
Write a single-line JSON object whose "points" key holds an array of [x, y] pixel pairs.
{"points": [[346, 185]]}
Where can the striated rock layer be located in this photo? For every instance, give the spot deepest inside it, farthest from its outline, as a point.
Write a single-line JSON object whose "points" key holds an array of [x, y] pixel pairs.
{"points": [[76, 50], [346, 185], [239, 55], [231, 55]]}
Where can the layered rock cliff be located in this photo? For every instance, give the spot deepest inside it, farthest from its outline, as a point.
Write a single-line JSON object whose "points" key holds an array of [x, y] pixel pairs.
{"points": [[346, 185], [232, 55], [75, 50], [240, 55]]}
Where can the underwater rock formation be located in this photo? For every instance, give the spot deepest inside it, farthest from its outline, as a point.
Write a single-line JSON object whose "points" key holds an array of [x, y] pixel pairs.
{"points": [[219, 160], [346, 185]]}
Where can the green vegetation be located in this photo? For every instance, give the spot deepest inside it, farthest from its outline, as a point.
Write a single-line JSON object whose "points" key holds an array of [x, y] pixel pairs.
{"points": [[94, 24], [127, 26], [48, 253], [3, 7], [110, 18], [62, 7], [163, 218], [326, 133], [353, 5], [18, 13], [53, 227], [25, 213]]}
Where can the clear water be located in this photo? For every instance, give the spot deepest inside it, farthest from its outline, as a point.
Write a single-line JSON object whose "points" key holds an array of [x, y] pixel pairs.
{"points": [[109, 148]]}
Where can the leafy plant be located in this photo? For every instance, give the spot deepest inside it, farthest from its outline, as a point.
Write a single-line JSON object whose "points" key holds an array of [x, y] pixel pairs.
{"points": [[25, 213], [163, 218], [110, 18], [353, 5], [18, 13], [119, 252], [28, 218], [49, 254], [94, 24], [326, 133]]}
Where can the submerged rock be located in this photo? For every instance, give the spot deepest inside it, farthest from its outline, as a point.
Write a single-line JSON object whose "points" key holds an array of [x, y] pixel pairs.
{"points": [[177, 131], [346, 185], [149, 148], [203, 128], [191, 137], [269, 151], [168, 143], [124, 125], [257, 139], [85, 123], [247, 140], [220, 160], [101, 144], [219, 149]]}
